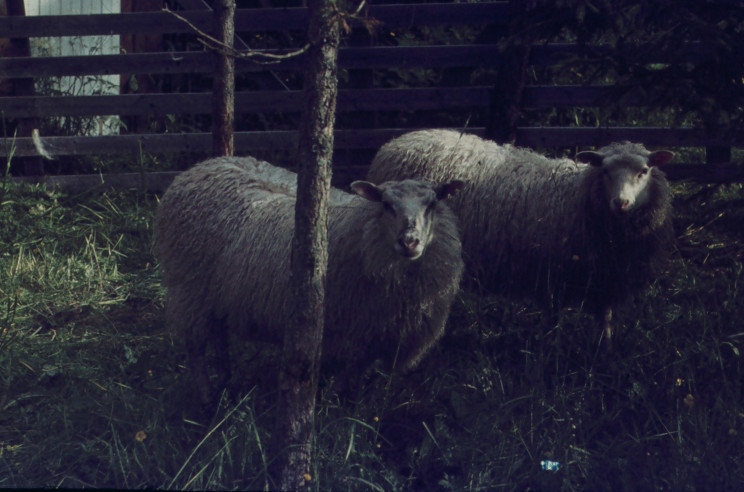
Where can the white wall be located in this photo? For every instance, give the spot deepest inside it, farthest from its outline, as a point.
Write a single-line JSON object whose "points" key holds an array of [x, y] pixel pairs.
{"points": [[78, 45], [69, 7]]}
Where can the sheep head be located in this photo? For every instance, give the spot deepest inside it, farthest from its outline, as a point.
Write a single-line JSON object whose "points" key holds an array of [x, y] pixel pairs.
{"points": [[407, 211], [626, 173]]}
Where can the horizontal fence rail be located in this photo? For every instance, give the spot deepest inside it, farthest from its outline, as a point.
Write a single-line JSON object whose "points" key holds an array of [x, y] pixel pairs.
{"points": [[398, 16], [354, 139], [486, 55], [245, 102], [423, 98], [203, 62]]}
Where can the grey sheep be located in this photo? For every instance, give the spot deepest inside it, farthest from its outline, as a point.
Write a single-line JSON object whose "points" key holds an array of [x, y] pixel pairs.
{"points": [[223, 235], [554, 230]]}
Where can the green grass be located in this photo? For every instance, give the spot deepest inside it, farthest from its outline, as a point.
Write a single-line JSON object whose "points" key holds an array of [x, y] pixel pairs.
{"points": [[94, 393]]}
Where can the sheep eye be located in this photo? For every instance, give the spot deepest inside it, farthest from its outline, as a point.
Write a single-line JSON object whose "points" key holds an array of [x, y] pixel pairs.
{"points": [[642, 173], [388, 208]]}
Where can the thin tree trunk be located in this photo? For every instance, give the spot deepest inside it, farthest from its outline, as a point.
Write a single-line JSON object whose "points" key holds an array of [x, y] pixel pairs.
{"points": [[298, 378], [223, 93]]}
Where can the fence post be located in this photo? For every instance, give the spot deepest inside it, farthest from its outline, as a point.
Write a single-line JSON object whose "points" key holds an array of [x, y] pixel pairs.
{"points": [[223, 91], [506, 95], [141, 83]]}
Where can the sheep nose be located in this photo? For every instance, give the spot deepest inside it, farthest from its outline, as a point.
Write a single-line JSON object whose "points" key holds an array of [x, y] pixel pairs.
{"points": [[410, 245], [620, 204], [410, 242]]}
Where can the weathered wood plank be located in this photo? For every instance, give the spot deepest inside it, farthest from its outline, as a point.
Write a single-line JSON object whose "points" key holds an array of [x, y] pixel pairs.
{"points": [[134, 63], [592, 137], [537, 97], [96, 183], [280, 19], [705, 173], [566, 96], [196, 143], [245, 102], [377, 57], [553, 53], [201, 62], [245, 142], [157, 182]]}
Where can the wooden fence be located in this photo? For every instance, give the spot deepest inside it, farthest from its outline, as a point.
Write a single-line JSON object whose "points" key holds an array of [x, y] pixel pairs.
{"points": [[356, 137]]}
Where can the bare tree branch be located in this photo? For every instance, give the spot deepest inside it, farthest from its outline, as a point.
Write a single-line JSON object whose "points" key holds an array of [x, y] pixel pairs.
{"points": [[210, 42], [214, 44]]}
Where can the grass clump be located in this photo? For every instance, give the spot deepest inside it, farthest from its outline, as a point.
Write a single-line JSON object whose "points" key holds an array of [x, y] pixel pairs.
{"points": [[80, 299], [94, 393]]}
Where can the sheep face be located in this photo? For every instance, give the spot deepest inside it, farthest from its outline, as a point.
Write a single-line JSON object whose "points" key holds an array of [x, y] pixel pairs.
{"points": [[626, 174], [407, 211]]}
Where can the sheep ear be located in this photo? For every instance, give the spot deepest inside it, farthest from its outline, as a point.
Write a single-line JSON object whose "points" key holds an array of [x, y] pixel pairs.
{"points": [[660, 157], [590, 157], [367, 190], [446, 190]]}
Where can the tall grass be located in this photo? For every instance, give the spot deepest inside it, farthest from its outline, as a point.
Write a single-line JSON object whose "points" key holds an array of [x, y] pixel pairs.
{"points": [[94, 393]]}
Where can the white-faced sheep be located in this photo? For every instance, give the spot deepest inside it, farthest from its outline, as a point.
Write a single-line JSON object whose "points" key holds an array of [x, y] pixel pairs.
{"points": [[555, 230], [223, 235]]}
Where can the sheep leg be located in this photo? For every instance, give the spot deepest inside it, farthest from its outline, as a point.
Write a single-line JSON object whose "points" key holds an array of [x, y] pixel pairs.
{"points": [[216, 335], [418, 343], [221, 351], [606, 325], [193, 329], [197, 360]]}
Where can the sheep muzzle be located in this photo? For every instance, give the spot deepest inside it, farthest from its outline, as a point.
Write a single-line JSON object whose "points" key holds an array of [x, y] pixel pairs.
{"points": [[410, 245], [620, 205]]}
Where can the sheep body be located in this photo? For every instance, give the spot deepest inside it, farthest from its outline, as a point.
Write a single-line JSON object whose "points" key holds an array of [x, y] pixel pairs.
{"points": [[223, 233], [553, 229]]}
